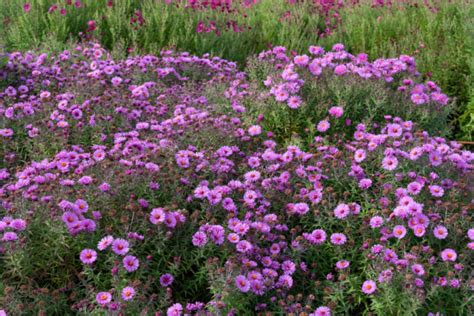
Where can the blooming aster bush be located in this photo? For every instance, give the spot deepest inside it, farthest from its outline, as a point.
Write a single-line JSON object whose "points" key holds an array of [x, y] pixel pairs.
{"points": [[148, 187], [295, 92]]}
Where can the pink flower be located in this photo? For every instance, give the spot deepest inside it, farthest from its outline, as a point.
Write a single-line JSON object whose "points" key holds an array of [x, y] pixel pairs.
{"points": [[448, 255], [128, 293], [342, 211], [130, 263], [157, 216], [436, 190], [294, 102], [323, 126], [166, 280], [88, 256], [369, 287], [27, 7], [376, 221], [103, 298], [389, 163], [399, 231], [336, 111], [440, 232], [338, 239], [321, 311], [120, 246], [105, 242], [242, 283], [199, 239], [340, 70], [255, 130]]}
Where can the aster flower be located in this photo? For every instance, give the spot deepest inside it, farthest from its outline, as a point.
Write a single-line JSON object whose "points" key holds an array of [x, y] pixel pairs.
{"points": [[342, 264], [369, 287], [105, 242], [338, 239], [175, 310], [130, 263], [399, 231], [103, 298], [157, 216], [321, 311], [242, 283], [342, 211], [418, 269], [440, 232], [323, 126], [128, 293], [120, 246], [88, 256], [199, 239], [166, 280], [449, 254]]}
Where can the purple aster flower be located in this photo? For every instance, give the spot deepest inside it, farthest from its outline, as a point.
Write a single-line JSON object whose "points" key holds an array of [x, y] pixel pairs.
{"points": [[342, 211], [130, 263], [338, 239], [369, 287], [175, 310], [166, 280], [448, 255], [242, 283], [105, 242], [120, 246], [399, 231], [88, 256], [199, 239], [103, 298], [440, 232], [128, 293]]}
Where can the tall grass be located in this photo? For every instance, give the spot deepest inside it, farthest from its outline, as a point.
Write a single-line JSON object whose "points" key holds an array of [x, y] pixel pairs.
{"points": [[442, 40]]}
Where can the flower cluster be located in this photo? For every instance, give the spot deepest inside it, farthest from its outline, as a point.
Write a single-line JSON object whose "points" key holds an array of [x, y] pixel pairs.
{"points": [[153, 172]]}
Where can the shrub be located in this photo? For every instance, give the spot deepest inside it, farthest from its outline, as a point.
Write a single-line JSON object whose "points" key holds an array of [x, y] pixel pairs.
{"points": [[294, 93], [177, 201]]}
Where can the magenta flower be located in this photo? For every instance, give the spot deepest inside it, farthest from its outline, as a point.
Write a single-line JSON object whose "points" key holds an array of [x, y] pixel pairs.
{"points": [[175, 310], [199, 239], [130, 263], [369, 287], [103, 298], [436, 190], [157, 216], [321, 311], [340, 70], [255, 130], [342, 264], [338, 239], [88, 256], [128, 293], [418, 269], [440, 232], [166, 280], [323, 126], [105, 242], [389, 163], [342, 211], [242, 283], [399, 231], [120, 246], [448, 255], [336, 111]]}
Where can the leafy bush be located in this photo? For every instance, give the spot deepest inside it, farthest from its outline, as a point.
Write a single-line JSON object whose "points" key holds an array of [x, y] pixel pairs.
{"points": [[166, 195], [293, 94], [437, 32]]}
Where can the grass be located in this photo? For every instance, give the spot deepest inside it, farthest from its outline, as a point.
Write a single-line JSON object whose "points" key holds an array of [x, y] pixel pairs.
{"points": [[442, 41]]}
